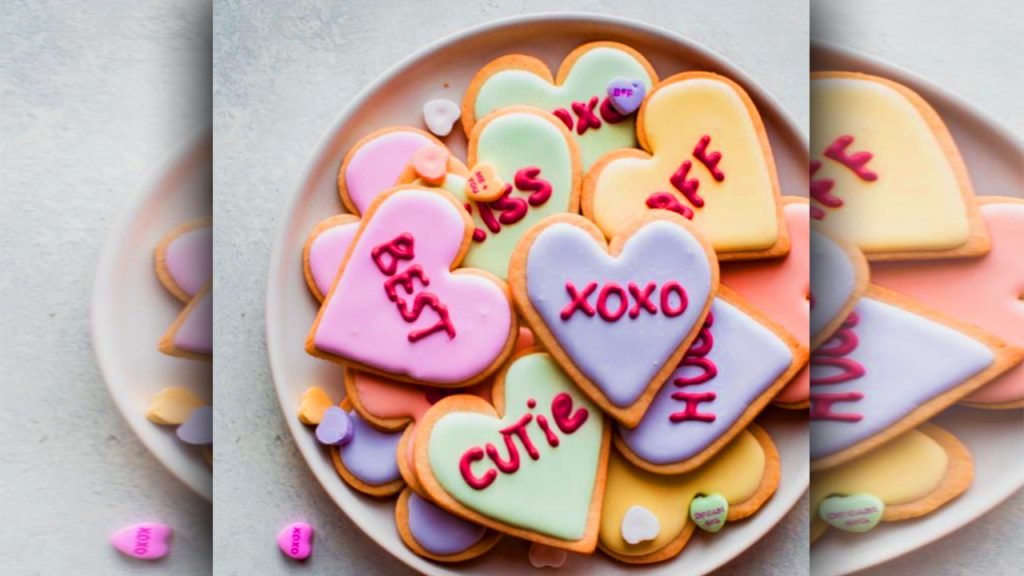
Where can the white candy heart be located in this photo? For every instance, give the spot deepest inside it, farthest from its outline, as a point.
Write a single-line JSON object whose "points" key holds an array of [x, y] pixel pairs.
{"points": [[640, 525], [542, 556], [440, 115]]}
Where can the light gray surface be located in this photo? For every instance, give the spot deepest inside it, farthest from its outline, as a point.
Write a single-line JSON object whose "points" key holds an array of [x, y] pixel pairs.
{"points": [[282, 73], [974, 50], [94, 100]]}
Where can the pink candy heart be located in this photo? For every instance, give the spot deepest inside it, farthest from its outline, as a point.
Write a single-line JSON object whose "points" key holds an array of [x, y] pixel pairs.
{"points": [[146, 540], [296, 540]]}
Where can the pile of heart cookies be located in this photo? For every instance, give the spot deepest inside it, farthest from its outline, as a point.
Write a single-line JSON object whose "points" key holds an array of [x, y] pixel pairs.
{"points": [[565, 336], [917, 289]]}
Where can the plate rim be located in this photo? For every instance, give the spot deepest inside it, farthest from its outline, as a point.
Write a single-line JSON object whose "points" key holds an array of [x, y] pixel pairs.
{"points": [[764, 98]]}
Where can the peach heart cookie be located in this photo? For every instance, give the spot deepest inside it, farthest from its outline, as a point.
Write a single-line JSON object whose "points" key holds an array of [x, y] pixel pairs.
{"points": [[911, 476], [184, 266], [577, 96], [707, 158], [536, 156], [738, 363], [987, 291], [374, 164], [617, 317], [886, 174], [397, 308], [780, 288], [892, 365], [737, 482], [532, 466], [839, 277]]}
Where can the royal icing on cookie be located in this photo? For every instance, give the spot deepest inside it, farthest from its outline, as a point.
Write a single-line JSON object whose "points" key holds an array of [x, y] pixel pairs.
{"points": [[885, 172], [709, 160], [370, 455], [734, 361], [192, 331], [878, 370], [537, 469], [187, 259], [375, 163], [617, 317], [439, 532], [780, 288], [578, 97], [737, 473], [987, 291], [325, 250], [397, 308], [839, 276]]}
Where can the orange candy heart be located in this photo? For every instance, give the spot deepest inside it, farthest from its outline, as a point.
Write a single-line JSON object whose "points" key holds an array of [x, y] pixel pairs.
{"points": [[483, 184]]}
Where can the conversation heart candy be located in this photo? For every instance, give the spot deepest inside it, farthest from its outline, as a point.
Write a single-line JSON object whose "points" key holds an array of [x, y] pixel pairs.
{"points": [[484, 184], [172, 406], [296, 540], [626, 95], [198, 429], [440, 115], [431, 164], [313, 404], [640, 525], [335, 428], [145, 540], [854, 513], [542, 556], [709, 512]]}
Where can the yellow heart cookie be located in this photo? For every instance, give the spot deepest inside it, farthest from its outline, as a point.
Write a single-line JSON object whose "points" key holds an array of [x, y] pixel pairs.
{"points": [[312, 405], [172, 406], [745, 473], [709, 160], [912, 476], [886, 174]]}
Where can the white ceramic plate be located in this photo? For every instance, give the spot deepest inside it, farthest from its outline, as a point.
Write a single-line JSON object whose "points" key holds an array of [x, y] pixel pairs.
{"points": [[443, 70], [994, 158], [131, 310]]}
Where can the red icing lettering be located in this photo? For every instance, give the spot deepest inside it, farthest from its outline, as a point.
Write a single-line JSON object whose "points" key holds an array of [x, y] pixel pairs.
{"points": [[512, 209], [565, 116], [692, 399], [608, 112], [465, 468], [488, 217], [833, 354], [602, 302], [687, 186], [642, 299], [696, 357], [527, 180], [666, 201], [667, 290], [585, 115], [821, 192], [561, 411], [405, 280], [507, 466], [856, 162], [578, 301], [399, 248], [424, 300], [710, 161], [708, 370], [478, 234], [546, 428]]}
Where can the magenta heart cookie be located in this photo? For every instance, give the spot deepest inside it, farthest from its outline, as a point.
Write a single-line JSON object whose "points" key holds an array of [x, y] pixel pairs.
{"points": [[617, 317], [398, 309]]}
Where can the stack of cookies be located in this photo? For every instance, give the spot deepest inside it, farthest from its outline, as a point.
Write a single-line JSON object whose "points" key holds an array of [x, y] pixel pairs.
{"points": [[564, 337], [916, 304]]}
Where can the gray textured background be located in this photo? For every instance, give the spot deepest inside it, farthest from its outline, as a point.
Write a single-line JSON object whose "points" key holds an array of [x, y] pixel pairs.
{"points": [[94, 98]]}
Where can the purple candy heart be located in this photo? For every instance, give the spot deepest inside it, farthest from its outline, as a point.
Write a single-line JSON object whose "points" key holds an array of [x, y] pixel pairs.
{"points": [[335, 428], [626, 95], [198, 429]]}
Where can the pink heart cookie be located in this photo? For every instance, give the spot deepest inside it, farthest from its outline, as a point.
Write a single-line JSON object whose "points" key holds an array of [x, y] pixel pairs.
{"points": [[397, 309], [985, 291]]}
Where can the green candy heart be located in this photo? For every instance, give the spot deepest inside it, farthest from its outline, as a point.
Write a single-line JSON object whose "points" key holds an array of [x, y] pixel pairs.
{"points": [[853, 513], [709, 512]]}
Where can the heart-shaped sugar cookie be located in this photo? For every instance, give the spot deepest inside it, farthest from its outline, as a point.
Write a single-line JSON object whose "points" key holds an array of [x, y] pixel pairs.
{"points": [[191, 334], [577, 96], [532, 466], [745, 474], [708, 151], [839, 277], [886, 174], [728, 375], [184, 258], [396, 307], [617, 317], [434, 533]]}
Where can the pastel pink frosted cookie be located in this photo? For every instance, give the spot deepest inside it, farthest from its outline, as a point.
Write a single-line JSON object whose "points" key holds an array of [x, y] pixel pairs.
{"points": [[781, 288], [325, 250], [986, 291], [184, 266], [397, 308]]}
